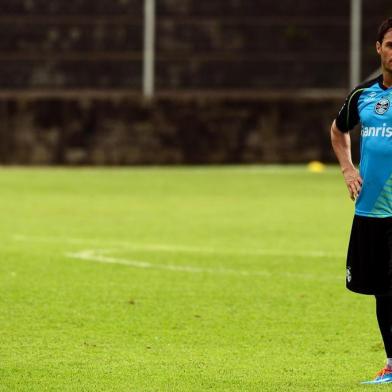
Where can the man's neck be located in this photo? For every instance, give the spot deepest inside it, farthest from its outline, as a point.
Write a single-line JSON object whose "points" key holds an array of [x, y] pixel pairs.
{"points": [[387, 78]]}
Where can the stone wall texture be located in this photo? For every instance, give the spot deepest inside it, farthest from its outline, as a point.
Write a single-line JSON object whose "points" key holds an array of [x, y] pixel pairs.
{"points": [[192, 130]]}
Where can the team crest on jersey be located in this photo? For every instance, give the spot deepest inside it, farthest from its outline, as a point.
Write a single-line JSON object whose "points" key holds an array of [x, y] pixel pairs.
{"points": [[382, 106]]}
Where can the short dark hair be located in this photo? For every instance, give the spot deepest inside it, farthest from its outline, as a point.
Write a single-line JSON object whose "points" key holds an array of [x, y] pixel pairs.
{"points": [[384, 27]]}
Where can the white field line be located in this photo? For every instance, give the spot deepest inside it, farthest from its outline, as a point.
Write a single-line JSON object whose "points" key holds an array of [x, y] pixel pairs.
{"points": [[183, 248], [99, 256]]}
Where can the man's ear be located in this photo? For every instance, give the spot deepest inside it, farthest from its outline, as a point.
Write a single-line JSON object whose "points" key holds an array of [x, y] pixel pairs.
{"points": [[378, 47]]}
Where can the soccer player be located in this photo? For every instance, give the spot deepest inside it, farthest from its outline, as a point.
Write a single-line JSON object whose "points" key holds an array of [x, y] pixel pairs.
{"points": [[369, 257]]}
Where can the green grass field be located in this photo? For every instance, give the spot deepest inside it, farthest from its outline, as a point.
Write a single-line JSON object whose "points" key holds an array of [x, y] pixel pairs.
{"points": [[180, 279]]}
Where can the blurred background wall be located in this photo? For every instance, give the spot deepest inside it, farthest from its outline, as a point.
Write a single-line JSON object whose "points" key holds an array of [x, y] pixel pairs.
{"points": [[235, 80]]}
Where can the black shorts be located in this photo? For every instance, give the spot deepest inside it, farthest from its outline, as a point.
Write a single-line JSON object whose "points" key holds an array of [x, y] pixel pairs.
{"points": [[369, 256]]}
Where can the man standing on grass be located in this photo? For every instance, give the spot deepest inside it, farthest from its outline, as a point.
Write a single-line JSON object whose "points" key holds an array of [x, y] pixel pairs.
{"points": [[369, 257]]}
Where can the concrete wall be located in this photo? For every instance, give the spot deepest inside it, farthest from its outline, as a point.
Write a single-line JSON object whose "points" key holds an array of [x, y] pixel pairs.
{"points": [[253, 44]]}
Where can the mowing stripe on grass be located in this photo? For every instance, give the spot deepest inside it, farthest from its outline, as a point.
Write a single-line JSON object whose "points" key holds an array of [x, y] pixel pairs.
{"points": [[183, 248]]}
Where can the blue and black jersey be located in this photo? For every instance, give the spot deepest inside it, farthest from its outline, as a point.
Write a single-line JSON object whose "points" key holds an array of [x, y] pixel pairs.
{"points": [[370, 105]]}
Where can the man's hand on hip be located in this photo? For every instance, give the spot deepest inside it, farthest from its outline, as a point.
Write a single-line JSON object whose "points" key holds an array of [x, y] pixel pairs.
{"points": [[353, 181]]}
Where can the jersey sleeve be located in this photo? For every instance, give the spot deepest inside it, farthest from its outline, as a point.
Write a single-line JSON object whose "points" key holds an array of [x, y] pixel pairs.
{"points": [[348, 116]]}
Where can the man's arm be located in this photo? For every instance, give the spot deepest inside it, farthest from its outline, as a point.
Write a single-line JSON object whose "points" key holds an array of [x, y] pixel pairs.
{"points": [[341, 144]]}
